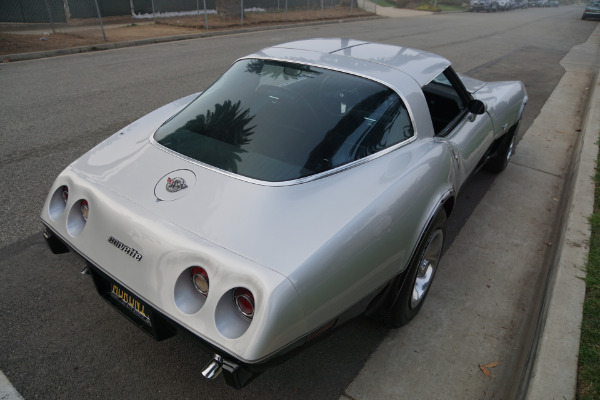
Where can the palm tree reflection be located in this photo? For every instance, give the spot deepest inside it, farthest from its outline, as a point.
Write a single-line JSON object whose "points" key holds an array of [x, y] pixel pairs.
{"points": [[217, 137]]}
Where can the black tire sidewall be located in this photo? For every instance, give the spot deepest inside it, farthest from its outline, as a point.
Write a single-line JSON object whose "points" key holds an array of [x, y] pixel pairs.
{"points": [[401, 311], [499, 162]]}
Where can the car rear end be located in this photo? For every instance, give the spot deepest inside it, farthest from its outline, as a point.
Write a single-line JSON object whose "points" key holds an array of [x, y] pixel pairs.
{"points": [[164, 278]]}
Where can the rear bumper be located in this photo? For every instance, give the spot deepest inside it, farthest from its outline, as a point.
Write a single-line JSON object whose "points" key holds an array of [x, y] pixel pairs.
{"points": [[591, 14]]}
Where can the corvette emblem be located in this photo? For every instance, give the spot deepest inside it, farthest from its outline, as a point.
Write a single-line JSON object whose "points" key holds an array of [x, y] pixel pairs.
{"points": [[175, 185], [170, 186]]}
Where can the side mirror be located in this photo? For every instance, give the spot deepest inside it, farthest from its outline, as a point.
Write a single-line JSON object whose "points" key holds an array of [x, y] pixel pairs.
{"points": [[476, 107]]}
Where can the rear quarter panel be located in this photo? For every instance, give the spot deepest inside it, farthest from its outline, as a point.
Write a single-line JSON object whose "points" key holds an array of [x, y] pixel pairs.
{"points": [[376, 244]]}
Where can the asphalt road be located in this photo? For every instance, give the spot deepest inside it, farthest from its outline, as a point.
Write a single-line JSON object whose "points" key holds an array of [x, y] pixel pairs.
{"points": [[58, 339]]}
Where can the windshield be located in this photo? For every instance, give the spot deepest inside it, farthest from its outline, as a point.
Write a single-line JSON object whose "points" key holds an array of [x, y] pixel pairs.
{"points": [[276, 121]]}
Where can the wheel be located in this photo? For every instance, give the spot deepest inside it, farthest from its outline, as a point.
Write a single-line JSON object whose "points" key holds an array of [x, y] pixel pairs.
{"points": [[417, 280], [499, 161]]}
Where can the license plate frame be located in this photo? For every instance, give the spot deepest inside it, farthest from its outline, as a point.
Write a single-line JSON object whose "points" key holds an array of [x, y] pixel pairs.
{"points": [[132, 306]]}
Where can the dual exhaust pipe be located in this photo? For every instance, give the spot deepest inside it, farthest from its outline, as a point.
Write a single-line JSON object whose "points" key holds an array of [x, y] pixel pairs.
{"points": [[216, 365]]}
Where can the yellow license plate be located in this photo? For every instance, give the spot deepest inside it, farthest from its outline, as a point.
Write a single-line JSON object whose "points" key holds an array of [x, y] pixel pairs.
{"points": [[131, 303]]}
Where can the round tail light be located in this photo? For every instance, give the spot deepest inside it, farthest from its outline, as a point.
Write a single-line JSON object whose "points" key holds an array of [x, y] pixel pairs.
{"points": [[244, 301], [85, 209], [200, 280]]}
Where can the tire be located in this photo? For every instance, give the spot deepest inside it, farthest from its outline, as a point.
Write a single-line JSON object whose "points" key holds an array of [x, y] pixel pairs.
{"points": [[499, 161], [410, 296]]}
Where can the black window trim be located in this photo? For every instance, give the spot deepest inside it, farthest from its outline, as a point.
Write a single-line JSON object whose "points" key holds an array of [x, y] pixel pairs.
{"points": [[464, 95]]}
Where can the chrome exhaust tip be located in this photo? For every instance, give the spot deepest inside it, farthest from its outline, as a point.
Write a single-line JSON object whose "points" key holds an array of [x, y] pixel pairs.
{"points": [[216, 365], [213, 368]]}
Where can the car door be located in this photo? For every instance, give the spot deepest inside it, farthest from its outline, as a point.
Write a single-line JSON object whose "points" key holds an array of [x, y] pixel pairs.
{"points": [[468, 134]]}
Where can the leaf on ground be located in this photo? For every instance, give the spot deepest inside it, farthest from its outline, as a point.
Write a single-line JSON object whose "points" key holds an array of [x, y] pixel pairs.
{"points": [[492, 364], [485, 370]]}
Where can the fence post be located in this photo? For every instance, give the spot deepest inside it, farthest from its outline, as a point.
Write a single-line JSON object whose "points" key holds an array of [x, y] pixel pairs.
{"points": [[205, 18], [67, 11], [50, 15], [100, 18], [153, 12], [242, 1]]}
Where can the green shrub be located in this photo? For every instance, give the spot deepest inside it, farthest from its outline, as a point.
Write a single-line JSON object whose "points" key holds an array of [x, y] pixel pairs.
{"points": [[451, 2]]}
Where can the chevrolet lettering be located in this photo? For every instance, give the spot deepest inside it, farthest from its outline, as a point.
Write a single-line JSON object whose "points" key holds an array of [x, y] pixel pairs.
{"points": [[126, 249]]}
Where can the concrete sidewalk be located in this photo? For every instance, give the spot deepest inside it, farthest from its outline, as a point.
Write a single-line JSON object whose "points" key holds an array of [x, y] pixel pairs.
{"points": [[393, 12], [554, 373]]}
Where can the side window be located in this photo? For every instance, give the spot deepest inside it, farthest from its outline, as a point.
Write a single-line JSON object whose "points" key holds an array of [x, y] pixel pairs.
{"points": [[446, 103]]}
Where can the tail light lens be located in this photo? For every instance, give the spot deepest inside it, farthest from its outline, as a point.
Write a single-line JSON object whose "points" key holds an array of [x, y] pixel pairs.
{"points": [[85, 209], [244, 301], [200, 280], [65, 194]]}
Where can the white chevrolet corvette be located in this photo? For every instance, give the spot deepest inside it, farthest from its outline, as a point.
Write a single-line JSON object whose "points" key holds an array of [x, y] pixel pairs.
{"points": [[309, 184]]}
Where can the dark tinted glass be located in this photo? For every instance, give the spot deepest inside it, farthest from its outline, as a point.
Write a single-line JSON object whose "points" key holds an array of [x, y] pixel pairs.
{"points": [[276, 121]]}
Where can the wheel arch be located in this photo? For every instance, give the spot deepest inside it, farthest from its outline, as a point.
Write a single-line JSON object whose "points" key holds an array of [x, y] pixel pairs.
{"points": [[377, 308]]}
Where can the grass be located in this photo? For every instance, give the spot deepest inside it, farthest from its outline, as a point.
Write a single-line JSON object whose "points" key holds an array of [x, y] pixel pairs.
{"points": [[449, 7], [588, 379], [385, 3], [429, 6]]}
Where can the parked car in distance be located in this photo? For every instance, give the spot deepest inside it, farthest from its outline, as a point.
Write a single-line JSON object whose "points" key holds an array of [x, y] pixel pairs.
{"points": [[592, 10], [311, 183], [483, 5], [538, 3], [503, 5], [523, 4], [553, 3]]}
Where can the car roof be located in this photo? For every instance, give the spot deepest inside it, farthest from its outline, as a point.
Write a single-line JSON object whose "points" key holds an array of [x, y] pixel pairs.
{"points": [[374, 60]]}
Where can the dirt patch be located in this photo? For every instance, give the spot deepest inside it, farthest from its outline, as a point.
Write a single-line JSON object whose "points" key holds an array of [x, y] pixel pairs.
{"points": [[25, 39]]}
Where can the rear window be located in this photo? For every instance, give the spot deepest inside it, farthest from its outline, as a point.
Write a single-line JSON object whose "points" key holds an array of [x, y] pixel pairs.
{"points": [[275, 121]]}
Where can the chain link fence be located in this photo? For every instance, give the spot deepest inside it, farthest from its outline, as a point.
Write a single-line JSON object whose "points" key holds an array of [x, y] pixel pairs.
{"points": [[73, 15]]}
